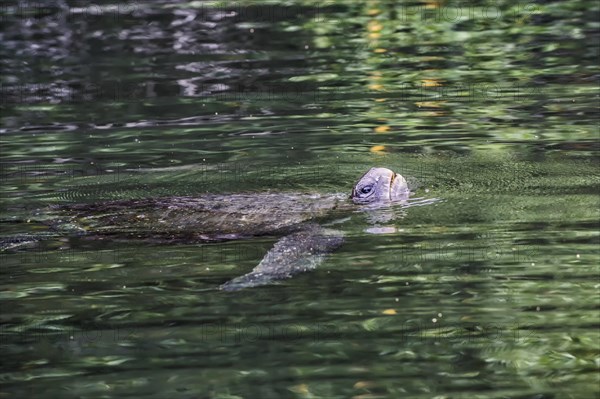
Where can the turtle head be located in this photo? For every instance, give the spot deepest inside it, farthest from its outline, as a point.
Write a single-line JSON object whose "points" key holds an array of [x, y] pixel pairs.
{"points": [[380, 186]]}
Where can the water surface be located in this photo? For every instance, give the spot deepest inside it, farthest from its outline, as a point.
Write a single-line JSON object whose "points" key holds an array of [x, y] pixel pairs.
{"points": [[490, 292]]}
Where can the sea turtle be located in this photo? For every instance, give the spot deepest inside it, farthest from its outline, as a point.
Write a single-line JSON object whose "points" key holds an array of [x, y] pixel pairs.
{"points": [[299, 219]]}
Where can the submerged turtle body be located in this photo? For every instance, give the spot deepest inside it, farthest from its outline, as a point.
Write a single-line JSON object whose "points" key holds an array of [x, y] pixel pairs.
{"points": [[294, 217], [207, 218]]}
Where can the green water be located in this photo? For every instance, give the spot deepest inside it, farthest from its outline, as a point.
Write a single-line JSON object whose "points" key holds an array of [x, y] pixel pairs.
{"points": [[491, 108]]}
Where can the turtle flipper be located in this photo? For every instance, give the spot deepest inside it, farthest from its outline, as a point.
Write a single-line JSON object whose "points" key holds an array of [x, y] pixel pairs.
{"points": [[296, 253]]}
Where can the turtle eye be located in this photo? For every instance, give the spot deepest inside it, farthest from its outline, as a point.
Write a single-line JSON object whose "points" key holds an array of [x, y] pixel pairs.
{"points": [[366, 189]]}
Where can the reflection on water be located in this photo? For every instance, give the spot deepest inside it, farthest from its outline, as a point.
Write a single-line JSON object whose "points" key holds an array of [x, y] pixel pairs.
{"points": [[490, 291]]}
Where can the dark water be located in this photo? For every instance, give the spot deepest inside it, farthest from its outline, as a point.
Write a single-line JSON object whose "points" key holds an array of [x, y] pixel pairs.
{"points": [[491, 107]]}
